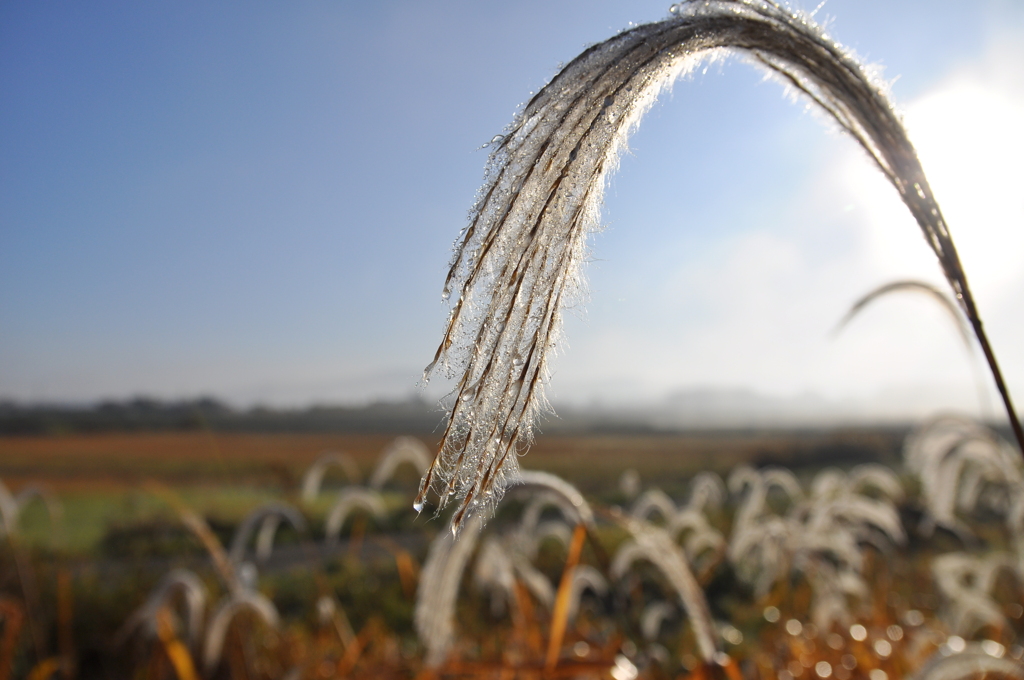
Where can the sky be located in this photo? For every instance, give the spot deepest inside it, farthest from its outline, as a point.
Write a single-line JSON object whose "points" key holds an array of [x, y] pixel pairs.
{"points": [[257, 201]]}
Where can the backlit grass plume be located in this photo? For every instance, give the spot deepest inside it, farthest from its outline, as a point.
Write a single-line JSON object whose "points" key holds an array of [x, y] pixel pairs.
{"points": [[517, 263]]}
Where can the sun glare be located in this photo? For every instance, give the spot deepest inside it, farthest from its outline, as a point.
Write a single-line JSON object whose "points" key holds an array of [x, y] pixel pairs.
{"points": [[970, 143]]}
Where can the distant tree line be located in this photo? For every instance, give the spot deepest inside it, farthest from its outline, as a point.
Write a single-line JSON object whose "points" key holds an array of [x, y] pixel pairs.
{"points": [[142, 414]]}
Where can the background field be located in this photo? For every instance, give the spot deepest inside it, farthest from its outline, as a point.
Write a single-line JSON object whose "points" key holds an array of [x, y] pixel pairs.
{"points": [[225, 475], [120, 532]]}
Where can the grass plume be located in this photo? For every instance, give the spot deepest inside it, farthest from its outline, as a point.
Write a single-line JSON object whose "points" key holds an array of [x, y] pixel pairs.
{"points": [[517, 263]]}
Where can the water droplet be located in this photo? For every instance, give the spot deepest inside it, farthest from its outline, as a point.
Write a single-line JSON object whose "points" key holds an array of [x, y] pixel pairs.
{"points": [[956, 644], [572, 154], [913, 618], [248, 575], [608, 101], [418, 506], [325, 609], [497, 139], [732, 635], [993, 648], [518, 361]]}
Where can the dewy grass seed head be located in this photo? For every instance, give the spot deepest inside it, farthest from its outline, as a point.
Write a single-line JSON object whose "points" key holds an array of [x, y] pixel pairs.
{"points": [[518, 262]]}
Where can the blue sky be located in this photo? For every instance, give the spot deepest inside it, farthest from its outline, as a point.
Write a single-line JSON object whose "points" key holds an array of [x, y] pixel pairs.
{"points": [[257, 201]]}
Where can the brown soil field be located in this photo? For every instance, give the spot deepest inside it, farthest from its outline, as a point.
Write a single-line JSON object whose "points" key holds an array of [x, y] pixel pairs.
{"points": [[186, 457], [592, 461]]}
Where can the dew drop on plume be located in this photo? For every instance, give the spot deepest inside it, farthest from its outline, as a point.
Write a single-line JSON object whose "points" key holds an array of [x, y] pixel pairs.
{"points": [[993, 648]]}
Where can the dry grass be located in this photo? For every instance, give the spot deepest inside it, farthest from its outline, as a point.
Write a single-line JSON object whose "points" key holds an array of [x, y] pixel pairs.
{"points": [[347, 610]]}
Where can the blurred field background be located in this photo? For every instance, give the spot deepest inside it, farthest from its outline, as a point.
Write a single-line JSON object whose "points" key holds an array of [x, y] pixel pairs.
{"points": [[121, 529], [98, 475], [257, 203]]}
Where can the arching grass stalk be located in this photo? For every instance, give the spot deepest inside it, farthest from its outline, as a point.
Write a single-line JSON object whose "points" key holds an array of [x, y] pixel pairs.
{"points": [[910, 285], [517, 263], [655, 545], [951, 308]]}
